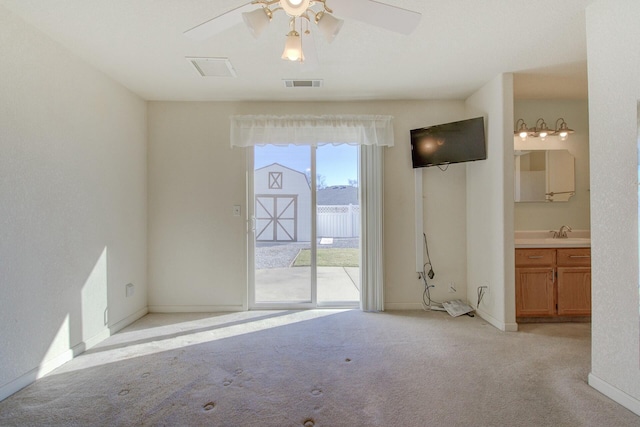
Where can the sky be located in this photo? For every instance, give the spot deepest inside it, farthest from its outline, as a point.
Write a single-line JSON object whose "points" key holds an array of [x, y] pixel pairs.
{"points": [[337, 163]]}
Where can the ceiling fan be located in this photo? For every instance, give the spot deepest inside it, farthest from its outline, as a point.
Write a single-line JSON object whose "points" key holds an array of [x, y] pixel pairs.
{"points": [[257, 15]]}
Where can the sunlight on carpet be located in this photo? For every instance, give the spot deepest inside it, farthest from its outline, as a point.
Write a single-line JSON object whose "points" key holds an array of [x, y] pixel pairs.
{"points": [[143, 342]]}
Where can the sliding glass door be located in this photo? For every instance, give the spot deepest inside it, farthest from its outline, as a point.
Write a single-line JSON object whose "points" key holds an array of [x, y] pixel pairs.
{"points": [[304, 245], [338, 225]]}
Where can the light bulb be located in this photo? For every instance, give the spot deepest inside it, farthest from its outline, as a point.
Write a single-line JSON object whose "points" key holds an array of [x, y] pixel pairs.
{"points": [[293, 55], [523, 135], [563, 136], [543, 135], [293, 47], [295, 7]]}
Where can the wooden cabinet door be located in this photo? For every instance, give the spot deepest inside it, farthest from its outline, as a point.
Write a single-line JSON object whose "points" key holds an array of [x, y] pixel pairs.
{"points": [[574, 291], [535, 294]]}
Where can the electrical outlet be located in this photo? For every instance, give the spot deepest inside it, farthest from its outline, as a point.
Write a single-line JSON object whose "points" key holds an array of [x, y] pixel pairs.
{"points": [[236, 210], [129, 290]]}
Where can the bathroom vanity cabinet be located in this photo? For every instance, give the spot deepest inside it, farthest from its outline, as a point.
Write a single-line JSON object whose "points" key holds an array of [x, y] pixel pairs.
{"points": [[553, 283]]}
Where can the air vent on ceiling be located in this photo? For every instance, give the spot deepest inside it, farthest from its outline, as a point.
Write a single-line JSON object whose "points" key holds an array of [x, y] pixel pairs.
{"points": [[302, 83], [213, 67]]}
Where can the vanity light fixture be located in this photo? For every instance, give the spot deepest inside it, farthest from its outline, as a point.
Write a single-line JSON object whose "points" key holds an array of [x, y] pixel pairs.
{"points": [[542, 131], [563, 131], [521, 130]]}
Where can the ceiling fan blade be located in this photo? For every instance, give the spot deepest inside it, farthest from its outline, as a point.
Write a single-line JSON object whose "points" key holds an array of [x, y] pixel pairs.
{"points": [[220, 23], [310, 52], [382, 15]]}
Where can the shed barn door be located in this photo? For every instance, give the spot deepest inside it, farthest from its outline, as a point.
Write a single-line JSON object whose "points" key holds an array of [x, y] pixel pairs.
{"points": [[276, 218]]}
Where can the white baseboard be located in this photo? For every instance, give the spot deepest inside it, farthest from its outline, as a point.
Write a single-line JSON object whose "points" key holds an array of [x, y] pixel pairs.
{"points": [[402, 306], [18, 384], [128, 320], [90, 342], [49, 365], [505, 327], [195, 308], [615, 394], [511, 327]]}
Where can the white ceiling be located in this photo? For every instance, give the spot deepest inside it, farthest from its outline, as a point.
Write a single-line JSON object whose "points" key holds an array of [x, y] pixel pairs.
{"points": [[458, 46]]}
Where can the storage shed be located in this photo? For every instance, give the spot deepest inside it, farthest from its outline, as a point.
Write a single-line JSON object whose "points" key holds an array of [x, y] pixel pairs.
{"points": [[282, 204]]}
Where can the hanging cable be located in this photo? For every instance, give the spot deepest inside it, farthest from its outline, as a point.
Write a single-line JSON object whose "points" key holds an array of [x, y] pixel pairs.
{"points": [[427, 302]]}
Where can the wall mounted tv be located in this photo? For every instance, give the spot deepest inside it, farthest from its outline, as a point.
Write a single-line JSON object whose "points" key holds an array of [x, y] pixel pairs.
{"points": [[455, 142]]}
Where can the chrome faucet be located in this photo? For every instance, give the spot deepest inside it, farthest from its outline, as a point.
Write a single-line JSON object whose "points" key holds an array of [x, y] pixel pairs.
{"points": [[562, 233]]}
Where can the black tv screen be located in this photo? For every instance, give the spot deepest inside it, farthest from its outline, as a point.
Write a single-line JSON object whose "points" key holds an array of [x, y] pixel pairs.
{"points": [[455, 142]]}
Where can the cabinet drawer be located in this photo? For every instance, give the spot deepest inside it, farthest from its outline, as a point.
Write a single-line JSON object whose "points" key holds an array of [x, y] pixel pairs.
{"points": [[574, 257], [528, 257]]}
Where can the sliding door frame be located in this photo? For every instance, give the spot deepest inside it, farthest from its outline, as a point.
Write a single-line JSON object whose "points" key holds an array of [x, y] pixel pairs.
{"points": [[251, 241]]}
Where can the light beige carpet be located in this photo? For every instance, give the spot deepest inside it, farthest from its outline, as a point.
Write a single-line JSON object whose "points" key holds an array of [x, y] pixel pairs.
{"points": [[323, 368]]}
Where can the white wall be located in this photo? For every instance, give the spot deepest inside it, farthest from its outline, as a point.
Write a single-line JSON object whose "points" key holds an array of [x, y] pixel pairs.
{"points": [[575, 212], [445, 224], [197, 249], [614, 91], [72, 204], [490, 246]]}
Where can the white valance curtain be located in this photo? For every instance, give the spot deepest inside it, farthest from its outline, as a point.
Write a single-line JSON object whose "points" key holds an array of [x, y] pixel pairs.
{"points": [[247, 131], [372, 133]]}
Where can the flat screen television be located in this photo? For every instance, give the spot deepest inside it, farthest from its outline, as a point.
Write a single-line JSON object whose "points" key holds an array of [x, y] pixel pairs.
{"points": [[456, 142]]}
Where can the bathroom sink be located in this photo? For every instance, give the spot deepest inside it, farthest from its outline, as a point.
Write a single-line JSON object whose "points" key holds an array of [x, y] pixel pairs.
{"points": [[569, 242]]}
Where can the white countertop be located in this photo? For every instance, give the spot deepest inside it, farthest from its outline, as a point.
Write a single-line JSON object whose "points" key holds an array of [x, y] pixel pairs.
{"points": [[543, 239]]}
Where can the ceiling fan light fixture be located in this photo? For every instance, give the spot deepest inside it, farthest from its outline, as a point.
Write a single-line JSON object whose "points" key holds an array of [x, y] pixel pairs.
{"points": [[257, 20], [293, 47], [328, 25], [257, 14], [295, 7]]}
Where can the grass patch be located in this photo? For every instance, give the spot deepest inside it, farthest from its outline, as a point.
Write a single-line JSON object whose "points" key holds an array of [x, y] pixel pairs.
{"points": [[346, 257]]}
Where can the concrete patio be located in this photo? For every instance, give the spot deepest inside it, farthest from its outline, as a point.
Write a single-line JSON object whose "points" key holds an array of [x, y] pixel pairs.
{"points": [[335, 284]]}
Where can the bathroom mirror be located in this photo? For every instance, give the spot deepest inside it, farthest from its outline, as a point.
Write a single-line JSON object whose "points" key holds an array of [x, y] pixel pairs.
{"points": [[544, 176]]}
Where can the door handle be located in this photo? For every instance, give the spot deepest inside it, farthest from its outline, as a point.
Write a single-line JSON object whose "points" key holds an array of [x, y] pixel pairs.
{"points": [[536, 257], [579, 256]]}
